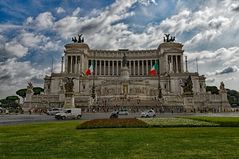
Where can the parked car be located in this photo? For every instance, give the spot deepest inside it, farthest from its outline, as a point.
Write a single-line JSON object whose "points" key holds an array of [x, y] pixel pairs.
{"points": [[114, 114], [123, 112], [71, 113], [54, 111], [148, 114]]}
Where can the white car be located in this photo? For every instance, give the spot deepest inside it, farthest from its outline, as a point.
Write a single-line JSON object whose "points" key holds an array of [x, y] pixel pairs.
{"points": [[148, 114], [71, 113], [54, 111], [123, 112]]}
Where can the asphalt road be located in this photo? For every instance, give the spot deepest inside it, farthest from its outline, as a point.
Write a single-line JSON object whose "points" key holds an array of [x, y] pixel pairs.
{"points": [[12, 119]]}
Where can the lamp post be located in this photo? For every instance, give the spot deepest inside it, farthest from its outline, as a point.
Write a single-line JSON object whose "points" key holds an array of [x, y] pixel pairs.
{"points": [[93, 86]]}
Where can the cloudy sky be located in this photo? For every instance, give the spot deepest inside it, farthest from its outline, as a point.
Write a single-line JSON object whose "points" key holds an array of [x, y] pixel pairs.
{"points": [[33, 33]]}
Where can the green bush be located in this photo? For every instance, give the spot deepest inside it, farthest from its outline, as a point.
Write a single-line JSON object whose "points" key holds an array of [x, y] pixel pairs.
{"points": [[113, 123]]}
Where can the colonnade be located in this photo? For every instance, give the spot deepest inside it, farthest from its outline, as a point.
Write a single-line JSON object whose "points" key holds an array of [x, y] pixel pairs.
{"points": [[73, 63], [137, 67], [113, 67], [175, 63]]}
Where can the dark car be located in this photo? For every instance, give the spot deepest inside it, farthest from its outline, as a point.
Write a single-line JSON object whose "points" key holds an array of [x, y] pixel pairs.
{"points": [[114, 114]]}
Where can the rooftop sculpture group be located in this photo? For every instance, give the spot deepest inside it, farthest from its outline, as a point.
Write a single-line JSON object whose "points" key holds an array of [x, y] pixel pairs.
{"points": [[80, 39], [167, 39]]}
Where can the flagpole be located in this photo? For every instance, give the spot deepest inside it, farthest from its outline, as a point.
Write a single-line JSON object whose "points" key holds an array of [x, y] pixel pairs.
{"points": [[159, 87]]}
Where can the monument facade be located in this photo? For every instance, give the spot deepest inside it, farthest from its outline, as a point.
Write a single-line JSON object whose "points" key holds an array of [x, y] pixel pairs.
{"points": [[121, 79]]}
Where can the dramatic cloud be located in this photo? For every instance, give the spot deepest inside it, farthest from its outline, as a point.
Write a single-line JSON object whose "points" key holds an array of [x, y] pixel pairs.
{"points": [[45, 20], [14, 75], [31, 39], [15, 49], [60, 10], [227, 70], [147, 2], [39, 42], [236, 9], [76, 11], [69, 26], [6, 27]]}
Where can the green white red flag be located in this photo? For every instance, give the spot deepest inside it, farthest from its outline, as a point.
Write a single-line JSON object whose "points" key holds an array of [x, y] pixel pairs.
{"points": [[154, 70], [89, 71]]}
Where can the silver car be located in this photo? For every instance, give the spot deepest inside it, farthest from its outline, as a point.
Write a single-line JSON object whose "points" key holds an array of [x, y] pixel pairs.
{"points": [[54, 111], [148, 114]]}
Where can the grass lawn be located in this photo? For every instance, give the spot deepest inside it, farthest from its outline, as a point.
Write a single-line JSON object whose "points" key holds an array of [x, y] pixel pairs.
{"points": [[222, 121], [62, 140], [177, 122]]}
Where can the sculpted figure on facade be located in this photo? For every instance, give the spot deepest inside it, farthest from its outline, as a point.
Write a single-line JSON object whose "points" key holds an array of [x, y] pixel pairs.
{"points": [[188, 86], [124, 60], [222, 86], [30, 85], [69, 85], [61, 86]]}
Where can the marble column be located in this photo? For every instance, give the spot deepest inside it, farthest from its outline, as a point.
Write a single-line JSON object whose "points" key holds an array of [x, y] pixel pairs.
{"points": [[147, 67], [181, 64], [71, 64], [66, 63], [113, 67], [109, 73], [75, 65], [79, 67], [130, 67], [96, 66], [117, 68], [138, 67], [100, 69], [134, 68], [104, 67], [142, 67], [82, 65]]}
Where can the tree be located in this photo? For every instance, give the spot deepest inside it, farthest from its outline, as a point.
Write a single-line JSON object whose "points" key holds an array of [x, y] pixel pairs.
{"points": [[22, 93], [12, 98], [10, 102], [4, 103], [37, 90], [212, 89], [233, 97]]}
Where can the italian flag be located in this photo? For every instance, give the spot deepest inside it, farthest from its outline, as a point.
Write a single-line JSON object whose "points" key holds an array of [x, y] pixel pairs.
{"points": [[154, 69], [89, 71]]}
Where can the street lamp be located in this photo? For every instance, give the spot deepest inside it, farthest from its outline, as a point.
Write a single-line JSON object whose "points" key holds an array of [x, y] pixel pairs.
{"points": [[93, 87], [159, 87]]}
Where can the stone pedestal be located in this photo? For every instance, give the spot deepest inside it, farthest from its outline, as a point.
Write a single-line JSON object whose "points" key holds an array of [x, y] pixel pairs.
{"points": [[225, 106], [29, 94], [61, 97], [69, 100], [28, 102], [188, 103], [124, 73]]}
